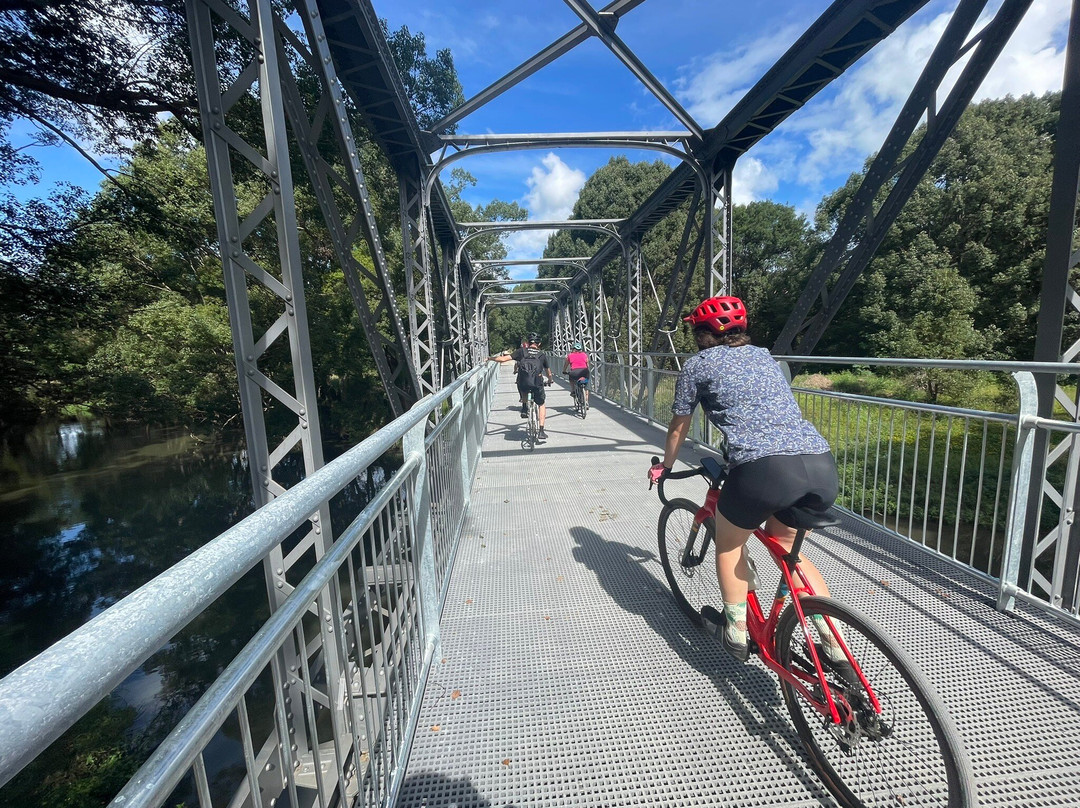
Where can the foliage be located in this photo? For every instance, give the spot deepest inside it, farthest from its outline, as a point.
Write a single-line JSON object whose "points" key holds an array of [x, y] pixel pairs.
{"points": [[115, 305], [771, 249], [431, 83], [959, 272]]}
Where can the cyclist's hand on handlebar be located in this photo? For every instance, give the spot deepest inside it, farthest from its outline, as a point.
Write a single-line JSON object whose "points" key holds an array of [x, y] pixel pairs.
{"points": [[657, 472]]}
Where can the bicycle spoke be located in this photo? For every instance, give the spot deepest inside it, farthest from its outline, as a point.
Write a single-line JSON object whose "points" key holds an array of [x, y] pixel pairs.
{"points": [[909, 754], [693, 585]]}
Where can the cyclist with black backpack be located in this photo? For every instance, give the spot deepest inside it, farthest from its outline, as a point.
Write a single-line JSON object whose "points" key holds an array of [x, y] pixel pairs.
{"points": [[532, 363]]}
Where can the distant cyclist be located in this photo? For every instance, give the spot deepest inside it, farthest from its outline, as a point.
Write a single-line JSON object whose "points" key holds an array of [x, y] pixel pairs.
{"points": [[577, 364], [776, 459], [532, 363]]}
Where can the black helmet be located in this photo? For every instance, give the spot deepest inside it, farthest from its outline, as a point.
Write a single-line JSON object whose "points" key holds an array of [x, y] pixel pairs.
{"points": [[534, 338]]}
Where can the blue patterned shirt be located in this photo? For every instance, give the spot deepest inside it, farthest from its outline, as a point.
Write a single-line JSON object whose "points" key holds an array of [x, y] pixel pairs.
{"points": [[745, 395]]}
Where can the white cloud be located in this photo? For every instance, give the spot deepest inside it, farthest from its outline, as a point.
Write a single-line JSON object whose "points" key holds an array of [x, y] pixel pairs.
{"points": [[1034, 59], [711, 86], [752, 180], [553, 189], [834, 133]]}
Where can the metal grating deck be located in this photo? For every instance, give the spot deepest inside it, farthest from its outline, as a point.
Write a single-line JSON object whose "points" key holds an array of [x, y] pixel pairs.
{"points": [[568, 677]]}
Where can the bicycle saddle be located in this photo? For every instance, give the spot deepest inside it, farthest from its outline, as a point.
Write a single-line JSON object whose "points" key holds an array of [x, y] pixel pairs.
{"points": [[803, 517]]}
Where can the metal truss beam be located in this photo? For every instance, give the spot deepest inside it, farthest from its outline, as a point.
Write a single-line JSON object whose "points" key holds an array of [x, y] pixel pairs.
{"points": [[612, 12], [420, 282], [862, 228], [391, 353], [605, 31], [1059, 296], [367, 72], [277, 271], [845, 32]]}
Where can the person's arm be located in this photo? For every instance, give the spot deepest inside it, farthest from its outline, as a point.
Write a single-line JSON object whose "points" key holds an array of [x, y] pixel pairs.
{"points": [[566, 366], [677, 431], [503, 357]]}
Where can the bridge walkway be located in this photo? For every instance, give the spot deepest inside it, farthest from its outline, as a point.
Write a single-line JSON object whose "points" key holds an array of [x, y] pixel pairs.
{"points": [[568, 677]]}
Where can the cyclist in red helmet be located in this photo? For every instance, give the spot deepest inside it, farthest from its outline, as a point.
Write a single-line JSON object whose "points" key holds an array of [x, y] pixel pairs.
{"points": [[776, 458]]}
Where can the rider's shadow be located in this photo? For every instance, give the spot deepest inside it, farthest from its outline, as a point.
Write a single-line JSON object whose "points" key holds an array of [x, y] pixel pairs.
{"points": [[752, 693]]}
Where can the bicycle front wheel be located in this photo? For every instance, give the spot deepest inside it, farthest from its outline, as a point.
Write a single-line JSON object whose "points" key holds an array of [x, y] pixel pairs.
{"points": [[907, 754], [688, 560]]}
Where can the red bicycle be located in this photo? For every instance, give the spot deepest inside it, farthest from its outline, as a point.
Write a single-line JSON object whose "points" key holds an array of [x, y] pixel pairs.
{"points": [[874, 730]]}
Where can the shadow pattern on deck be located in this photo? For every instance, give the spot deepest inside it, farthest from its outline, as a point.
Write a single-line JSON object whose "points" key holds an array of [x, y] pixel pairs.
{"points": [[568, 677]]}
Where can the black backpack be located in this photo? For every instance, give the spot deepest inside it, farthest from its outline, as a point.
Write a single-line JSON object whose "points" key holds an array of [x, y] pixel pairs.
{"points": [[531, 365]]}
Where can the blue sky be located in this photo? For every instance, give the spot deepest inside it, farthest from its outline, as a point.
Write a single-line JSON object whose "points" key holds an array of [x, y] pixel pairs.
{"points": [[708, 54]]}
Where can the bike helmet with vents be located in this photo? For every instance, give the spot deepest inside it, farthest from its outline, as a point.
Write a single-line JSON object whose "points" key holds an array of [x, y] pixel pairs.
{"points": [[719, 314], [534, 338], [577, 346]]}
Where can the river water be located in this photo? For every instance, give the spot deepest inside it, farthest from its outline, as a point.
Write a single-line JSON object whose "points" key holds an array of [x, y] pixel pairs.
{"points": [[87, 515]]}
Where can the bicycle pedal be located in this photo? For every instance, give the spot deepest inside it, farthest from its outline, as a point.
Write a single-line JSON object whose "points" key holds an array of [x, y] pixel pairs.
{"points": [[712, 621]]}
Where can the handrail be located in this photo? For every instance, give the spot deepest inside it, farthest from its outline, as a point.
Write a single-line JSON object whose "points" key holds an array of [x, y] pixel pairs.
{"points": [[90, 662], [997, 487]]}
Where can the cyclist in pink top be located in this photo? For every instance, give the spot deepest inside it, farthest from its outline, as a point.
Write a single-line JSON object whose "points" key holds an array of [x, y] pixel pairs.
{"points": [[577, 363]]}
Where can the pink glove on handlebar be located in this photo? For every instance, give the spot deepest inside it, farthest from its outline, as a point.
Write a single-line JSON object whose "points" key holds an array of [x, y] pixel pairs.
{"points": [[656, 472]]}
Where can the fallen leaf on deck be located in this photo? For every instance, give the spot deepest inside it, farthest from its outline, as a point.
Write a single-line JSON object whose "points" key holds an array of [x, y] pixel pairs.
{"points": [[456, 694]]}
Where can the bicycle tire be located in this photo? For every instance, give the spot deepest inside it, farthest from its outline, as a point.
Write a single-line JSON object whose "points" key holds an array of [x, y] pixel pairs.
{"points": [[910, 754], [693, 586], [534, 423]]}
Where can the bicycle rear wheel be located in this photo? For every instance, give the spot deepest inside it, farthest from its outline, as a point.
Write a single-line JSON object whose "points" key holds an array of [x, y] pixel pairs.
{"points": [[533, 433], [689, 567], [909, 754]]}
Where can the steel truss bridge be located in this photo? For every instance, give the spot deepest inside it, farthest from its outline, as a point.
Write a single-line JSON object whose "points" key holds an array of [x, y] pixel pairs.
{"points": [[355, 626]]}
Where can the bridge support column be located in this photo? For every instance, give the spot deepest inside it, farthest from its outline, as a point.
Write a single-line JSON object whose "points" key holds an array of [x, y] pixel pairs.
{"points": [[1058, 295]]}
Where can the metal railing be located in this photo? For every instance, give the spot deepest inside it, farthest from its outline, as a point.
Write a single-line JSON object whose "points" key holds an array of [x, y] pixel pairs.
{"points": [[362, 627], [955, 481]]}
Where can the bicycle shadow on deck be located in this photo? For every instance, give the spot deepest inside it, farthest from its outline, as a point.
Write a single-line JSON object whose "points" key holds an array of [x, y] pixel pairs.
{"points": [[751, 692]]}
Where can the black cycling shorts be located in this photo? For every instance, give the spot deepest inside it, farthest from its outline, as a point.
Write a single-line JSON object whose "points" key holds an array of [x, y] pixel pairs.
{"points": [[756, 490], [539, 396], [580, 373]]}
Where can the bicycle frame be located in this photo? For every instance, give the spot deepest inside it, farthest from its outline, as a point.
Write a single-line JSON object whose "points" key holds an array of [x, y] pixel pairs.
{"points": [[761, 627]]}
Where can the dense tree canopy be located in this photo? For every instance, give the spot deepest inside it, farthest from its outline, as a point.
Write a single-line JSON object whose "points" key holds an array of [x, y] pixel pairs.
{"points": [[114, 305]]}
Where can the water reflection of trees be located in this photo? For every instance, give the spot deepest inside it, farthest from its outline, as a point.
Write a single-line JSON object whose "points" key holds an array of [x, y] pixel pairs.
{"points": [[87, 528]]}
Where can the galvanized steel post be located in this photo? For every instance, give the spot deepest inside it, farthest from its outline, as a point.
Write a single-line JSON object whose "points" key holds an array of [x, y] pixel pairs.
{"points": [[414, 446], [1019, 486]]}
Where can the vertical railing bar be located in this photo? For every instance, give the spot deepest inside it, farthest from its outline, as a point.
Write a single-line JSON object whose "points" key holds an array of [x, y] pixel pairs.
{"points": [[888, 466], [380, 673], [202, 784], [944, 481], [877, 466], [979, 494], [914, 473], [281, 682], [407, 610], [960, 488], [929, 475], [900, 471], [309, 710], [355, 637], [249, 752], [847, 426], [866, 461], [386, 605], [997, 492]]}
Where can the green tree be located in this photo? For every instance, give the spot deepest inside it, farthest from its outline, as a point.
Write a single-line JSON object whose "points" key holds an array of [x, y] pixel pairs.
{"points": [[771, 249], [967, 250]]}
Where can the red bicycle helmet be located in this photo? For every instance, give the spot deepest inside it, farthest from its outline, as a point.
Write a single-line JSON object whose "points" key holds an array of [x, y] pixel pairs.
{"points": [[719, 314]]}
